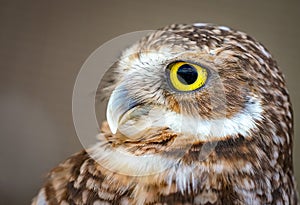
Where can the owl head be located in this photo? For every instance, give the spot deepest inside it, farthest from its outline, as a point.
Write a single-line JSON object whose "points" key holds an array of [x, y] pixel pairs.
{"points": [[186, 85]]}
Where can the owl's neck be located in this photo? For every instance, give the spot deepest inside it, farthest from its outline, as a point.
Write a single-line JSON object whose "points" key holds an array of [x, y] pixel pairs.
{"points": [[234, 166], [180, 162]]}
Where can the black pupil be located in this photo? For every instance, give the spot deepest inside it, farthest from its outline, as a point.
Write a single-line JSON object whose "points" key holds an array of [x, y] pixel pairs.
{"points": [[187, 74]]}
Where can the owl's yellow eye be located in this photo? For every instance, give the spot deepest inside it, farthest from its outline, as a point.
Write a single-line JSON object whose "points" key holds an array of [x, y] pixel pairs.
{"points": [[186, 76]]}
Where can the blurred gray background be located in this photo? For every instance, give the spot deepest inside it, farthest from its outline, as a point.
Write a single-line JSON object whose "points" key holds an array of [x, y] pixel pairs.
{"points": [[43, 44]]}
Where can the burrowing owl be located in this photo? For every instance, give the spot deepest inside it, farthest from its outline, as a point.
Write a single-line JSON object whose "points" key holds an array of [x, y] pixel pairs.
{"points": [[198, 114]]}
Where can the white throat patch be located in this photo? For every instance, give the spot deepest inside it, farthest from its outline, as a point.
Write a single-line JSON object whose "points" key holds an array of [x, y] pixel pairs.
{"points": [[242, 123]]}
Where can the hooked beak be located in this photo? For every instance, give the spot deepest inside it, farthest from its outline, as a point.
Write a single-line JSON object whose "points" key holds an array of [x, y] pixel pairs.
{"points": [[119, 103]]}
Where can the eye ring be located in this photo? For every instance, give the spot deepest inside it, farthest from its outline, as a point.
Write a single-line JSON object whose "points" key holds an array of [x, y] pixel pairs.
{"points": [[185, 76]]}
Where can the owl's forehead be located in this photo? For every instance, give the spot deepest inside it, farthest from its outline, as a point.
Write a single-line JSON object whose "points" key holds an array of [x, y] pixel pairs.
{"points": [[203, 37]]}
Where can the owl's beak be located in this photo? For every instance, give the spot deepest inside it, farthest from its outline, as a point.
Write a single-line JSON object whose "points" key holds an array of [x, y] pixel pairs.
{"points": [[119, 103]]}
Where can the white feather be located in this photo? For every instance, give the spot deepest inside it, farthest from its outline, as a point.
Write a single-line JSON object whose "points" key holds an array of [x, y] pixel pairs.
{"points": [[123, 162], [41, 198]]}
